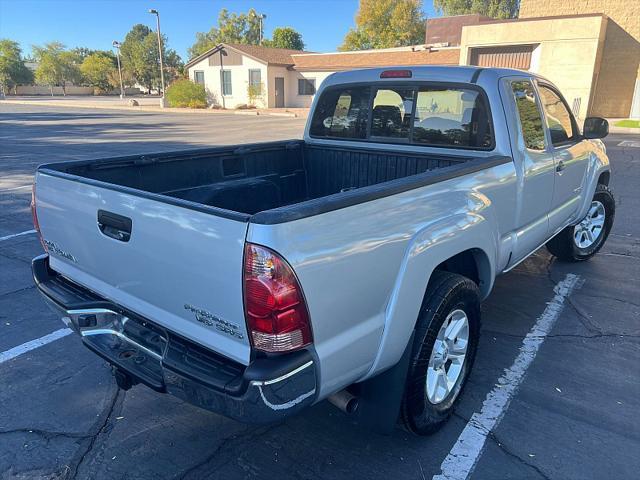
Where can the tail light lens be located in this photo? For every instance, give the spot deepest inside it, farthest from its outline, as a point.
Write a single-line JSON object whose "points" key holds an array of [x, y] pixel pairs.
{"points": [[274, 305], [34, 215]]}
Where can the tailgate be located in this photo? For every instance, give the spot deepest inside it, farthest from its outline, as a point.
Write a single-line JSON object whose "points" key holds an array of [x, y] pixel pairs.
{"points": [[180, 268]]}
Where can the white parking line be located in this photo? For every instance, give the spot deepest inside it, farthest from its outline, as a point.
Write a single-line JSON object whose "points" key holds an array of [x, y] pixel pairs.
{"points": [[33, 344], [464, 455], [3, 190], [8, 237]]}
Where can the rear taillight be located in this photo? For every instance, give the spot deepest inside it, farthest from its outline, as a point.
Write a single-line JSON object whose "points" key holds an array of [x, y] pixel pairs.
{"points": [[275, 309], [34, 215]]}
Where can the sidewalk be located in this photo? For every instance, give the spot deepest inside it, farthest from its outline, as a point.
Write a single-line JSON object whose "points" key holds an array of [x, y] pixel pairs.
{"points": [[146, 104]]}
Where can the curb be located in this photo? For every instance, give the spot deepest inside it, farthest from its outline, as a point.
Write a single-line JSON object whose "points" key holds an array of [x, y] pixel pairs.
{"points": [[147, 108]]}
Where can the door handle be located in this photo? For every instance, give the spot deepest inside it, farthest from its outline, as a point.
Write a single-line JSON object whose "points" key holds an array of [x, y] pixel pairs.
{"points": [[114, 226], [560, 167]]}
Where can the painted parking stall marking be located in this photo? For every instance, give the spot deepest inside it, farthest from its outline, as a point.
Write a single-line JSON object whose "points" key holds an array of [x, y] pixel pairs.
{"points": [[629, 143], [33, 344], [463, 457], [9, 237]]}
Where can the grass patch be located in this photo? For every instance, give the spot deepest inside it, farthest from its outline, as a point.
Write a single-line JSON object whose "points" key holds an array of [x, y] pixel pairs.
{"points": [[628, 123]]}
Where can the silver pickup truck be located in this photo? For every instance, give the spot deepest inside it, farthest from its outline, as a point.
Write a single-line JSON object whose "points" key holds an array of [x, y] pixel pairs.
{"points": [[256, 280]]}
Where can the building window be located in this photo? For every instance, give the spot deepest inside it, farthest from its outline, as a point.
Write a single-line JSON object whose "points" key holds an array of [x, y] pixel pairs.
{"points": [[529, 113], [226, 83], [306, 86], [198, 77], [255, 78]]}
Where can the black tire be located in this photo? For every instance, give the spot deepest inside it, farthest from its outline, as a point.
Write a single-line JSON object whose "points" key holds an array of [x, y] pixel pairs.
{"points": [[563, 245], [446, 292]]}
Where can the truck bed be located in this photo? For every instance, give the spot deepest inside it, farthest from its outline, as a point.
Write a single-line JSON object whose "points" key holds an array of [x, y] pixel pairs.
{"points": [[258, 177]]}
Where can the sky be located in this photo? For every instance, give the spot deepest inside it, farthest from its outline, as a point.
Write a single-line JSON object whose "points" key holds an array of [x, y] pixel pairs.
{"points": [[96, 23]]}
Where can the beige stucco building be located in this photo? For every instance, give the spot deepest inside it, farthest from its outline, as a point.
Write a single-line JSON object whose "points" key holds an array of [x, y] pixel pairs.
{"points": [[617, 86], [568, 51], [589, 48]]}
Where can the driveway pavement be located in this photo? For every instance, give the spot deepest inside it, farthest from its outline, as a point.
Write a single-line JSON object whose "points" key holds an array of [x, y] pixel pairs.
{"points": [[573, 413]]}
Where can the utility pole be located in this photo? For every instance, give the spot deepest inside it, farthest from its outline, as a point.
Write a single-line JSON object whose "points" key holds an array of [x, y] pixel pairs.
{"points": [[261, 16], [222, 54], [155, 12], [116, 44]]}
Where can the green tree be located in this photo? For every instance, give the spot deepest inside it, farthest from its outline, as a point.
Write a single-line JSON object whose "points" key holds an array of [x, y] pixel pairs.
{"points": [[140, 59], [386, 24], [232, 28], [490, 8], [98, 70], [13, 72], [57, 66], [285, 37]]}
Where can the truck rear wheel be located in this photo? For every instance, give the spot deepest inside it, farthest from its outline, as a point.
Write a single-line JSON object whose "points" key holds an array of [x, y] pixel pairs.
{"points": [[444, 347], [582, 241]]}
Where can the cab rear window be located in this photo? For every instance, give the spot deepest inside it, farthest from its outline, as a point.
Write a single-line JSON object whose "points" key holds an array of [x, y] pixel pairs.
{"points": [[428, 115]]}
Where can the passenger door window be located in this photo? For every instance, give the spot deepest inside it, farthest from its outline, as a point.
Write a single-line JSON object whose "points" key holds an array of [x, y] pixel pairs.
{"points": [[391, 113], [558, 118], [529, 113]]}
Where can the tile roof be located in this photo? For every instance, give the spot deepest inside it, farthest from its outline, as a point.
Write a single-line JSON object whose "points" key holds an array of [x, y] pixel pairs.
{"points": [[274, 56], [279, 56], [372, 58]]}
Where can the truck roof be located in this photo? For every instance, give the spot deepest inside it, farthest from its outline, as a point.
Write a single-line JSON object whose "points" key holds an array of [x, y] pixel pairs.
{"points": [[450, 73]]}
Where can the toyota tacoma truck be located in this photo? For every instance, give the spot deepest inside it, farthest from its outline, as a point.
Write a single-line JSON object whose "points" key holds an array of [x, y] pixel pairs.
{"points": [[256, 280]]}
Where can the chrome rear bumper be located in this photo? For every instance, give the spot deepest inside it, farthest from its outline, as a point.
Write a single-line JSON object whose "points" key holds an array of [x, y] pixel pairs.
{"points": [[267, 390]]}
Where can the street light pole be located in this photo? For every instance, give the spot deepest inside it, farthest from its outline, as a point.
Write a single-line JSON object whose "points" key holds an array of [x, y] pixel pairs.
{"points": [[155, 12], [116, 44]]}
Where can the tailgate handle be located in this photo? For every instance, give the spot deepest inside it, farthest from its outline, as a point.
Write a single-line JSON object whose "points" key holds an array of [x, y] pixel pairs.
{"points": [[114, 225]]}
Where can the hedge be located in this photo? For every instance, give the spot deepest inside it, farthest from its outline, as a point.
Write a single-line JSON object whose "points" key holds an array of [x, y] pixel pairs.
{"points": [[186, 94]]}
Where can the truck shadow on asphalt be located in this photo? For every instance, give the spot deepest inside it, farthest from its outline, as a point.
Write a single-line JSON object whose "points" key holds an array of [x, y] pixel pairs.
{"points": [[81, 426]]}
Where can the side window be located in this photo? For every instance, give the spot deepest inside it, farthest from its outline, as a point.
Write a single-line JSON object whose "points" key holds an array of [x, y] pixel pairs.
{"points": [[452, 117], [306, 86], [255, 79], [226, 83], [342, 113], [529, 113], [391, 113], [198, 77], [557, 115]]}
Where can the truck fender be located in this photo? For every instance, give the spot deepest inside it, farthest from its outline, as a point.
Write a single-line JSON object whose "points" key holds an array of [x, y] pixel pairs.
{"points": [[473, 230], [598, 164]]}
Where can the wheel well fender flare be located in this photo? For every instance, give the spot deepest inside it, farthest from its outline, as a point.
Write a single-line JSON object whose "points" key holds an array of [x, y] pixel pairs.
{"points": [[473, 232]]}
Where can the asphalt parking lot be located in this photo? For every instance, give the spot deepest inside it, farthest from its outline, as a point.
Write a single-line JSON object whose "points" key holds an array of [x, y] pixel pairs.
{"points": [[574, 415]]}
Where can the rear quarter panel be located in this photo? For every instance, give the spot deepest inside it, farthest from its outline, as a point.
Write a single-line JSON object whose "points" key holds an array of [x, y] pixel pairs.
{"points": [[364, 269]]}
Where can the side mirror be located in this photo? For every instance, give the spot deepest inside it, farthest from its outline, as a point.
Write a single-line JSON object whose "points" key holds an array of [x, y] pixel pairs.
{"points": [[595, 127]]}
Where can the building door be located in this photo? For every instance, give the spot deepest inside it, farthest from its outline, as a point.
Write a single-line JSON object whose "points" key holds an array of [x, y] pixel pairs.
{"points": [[509, 56], [279, 92]]}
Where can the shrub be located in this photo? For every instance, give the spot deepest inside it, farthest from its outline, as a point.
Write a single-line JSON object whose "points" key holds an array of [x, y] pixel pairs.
{"points": [[186, 94]]}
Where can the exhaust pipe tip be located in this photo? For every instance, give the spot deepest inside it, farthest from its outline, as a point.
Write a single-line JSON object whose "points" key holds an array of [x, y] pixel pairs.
{"points": [[345, 401]]}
